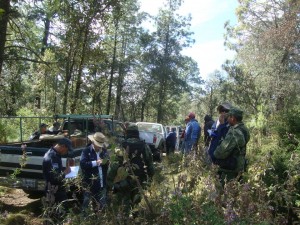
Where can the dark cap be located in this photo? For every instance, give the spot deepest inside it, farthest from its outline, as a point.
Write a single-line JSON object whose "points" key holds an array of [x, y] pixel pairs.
{"points": [[43, 125], [66, 142], [207, 118], [132, 127], [132, 131], [56, 124], [235, 112], [224, 106]]}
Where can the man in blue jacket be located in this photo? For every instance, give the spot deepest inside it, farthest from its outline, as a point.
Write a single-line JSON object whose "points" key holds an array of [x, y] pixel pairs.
{"points": [[219, 129], [192, 134], [53, 170], [171, 141], [94, 165]]}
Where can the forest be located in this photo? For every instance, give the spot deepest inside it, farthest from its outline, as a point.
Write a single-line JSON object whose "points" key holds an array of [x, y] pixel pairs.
{"points": [[96, 57]]}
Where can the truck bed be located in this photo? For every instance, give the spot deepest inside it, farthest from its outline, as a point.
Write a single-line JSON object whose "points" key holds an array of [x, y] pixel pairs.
{"points": [[29, 160]]}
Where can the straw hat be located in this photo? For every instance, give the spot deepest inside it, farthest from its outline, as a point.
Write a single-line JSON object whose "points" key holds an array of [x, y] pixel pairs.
{"points": [[98, 139]]}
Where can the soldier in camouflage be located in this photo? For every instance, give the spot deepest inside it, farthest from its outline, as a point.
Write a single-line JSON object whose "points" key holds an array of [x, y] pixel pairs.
{"points": [[230, 154], [130, 171]]}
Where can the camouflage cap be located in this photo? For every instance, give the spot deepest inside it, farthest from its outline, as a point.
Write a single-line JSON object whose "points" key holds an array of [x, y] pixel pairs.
{"points": [[132, 127], [235, 112]]}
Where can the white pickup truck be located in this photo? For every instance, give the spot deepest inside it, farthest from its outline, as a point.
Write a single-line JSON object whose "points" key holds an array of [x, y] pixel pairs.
{"points": [[154, 134]]}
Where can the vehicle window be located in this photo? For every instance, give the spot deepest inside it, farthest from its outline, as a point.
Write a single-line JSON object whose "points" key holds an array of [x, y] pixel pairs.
{"points": [[156, 128], [144, 127]]}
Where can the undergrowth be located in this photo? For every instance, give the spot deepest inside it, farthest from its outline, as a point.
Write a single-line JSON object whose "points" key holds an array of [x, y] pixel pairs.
{"points": [[186, 190]]}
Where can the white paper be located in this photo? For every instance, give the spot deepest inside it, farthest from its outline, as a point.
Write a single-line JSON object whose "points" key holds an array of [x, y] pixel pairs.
{"points": [[73, 173]]}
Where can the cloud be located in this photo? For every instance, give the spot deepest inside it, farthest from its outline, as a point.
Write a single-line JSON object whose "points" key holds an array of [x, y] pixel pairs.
{"points": [[151, 6], [208, 51], [209, 56], [201, 11]]}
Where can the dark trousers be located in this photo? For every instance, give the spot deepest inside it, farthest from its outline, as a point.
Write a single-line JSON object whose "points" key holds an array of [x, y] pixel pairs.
{"points": [[170, 149]]}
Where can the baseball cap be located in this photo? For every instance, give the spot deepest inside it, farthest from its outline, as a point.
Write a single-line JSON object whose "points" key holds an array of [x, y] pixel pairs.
{"points": [[43, 125], [67, 142]]}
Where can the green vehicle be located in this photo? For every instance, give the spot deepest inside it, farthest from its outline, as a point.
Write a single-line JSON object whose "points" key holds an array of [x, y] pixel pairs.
{"points": [[24, 157]]}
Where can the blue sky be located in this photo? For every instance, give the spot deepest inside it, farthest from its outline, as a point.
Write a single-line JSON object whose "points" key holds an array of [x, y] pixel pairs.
{"points": [[208, 18]]}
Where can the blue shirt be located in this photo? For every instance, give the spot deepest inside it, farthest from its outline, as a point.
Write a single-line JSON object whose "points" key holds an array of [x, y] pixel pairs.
{"points": [[52, 169], [193, 131]]}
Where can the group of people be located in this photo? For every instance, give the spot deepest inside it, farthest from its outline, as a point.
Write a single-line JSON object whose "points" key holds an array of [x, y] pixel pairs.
{"points": [[124, 176], [44, 130], [225, 141], [131, 170]]}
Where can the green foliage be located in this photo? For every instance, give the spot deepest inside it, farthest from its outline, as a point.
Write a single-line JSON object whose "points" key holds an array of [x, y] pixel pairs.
{"points": [[16, 219], [182, 210], [2, 11], [289, 123]]}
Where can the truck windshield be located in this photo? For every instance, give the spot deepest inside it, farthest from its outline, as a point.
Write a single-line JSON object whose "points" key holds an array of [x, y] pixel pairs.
{"points": [[150, 128]]}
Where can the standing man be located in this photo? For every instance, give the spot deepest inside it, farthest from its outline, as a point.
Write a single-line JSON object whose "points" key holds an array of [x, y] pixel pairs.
{"points": [[53, 170], [182, 137], [94, 162], [171, 141], [192, 134], [131, 171], [230, 154], [219, 129], [208, 122]]}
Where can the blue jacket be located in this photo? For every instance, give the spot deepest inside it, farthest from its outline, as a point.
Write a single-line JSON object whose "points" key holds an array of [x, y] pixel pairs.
{"points": [[90, 172], [53, 170], [216, 137], [193, 131]]}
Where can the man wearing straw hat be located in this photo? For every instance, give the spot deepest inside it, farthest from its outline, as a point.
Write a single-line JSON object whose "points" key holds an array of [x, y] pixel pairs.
{"points": [[94, 165]]}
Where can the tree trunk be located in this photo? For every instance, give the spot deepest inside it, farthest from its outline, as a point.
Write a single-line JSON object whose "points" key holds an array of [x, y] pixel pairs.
{"points": [[163, 78], [117, 113], [78, 79], [112, 71], [4, 5], [46, 35], [120, 82], [69, 69]]}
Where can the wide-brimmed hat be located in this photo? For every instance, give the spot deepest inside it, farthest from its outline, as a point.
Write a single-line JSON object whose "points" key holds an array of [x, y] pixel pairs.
{"points": [[98, 139]]}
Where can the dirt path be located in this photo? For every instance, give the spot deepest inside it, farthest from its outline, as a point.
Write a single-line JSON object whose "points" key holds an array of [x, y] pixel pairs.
{"points": [[16, 198], [15, 201]]}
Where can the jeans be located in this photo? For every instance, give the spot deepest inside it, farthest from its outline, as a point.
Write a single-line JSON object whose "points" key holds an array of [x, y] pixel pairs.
{"points": [[188, 146]]}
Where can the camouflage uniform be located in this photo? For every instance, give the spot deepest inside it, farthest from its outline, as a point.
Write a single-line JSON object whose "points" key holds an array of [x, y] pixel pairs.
{"points": [[231, 153], [121, 177]]}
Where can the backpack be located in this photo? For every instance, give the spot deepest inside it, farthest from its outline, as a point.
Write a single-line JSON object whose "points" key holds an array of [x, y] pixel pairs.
{"points": [[135, 155]]}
